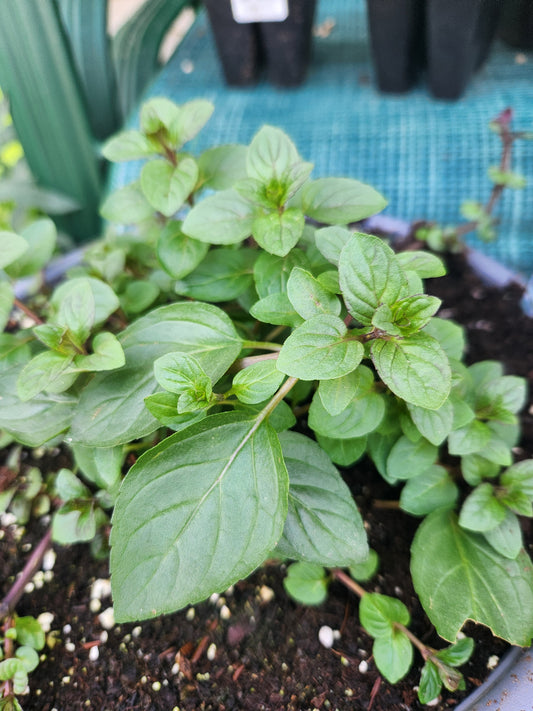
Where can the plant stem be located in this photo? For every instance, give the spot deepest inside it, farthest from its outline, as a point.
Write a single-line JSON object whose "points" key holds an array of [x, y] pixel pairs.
{"points": [[16, 591], [262, 345], [277, 398], [243, 363], [25, 309], [348, 582], [507, 137]]}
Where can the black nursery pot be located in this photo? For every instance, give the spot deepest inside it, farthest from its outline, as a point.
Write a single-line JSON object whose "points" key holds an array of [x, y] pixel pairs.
{"points": [[459, 34], [287, 45], [396, 29], [284, 46], [237, 44], [516, 25]]}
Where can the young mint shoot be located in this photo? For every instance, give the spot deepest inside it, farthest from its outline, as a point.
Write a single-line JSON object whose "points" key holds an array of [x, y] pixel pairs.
{"points": [[242, 337]]}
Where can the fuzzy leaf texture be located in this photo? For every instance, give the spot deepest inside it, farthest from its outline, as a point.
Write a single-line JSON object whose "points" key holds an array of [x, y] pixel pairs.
{"points": [[458, 576], [195, 514], [323, 524]]}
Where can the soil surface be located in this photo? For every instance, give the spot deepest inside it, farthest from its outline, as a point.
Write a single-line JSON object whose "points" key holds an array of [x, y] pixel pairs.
{"points": [[252, 648]]}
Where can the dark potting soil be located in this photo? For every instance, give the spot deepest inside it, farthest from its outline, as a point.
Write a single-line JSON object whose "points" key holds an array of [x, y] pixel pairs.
{"points": [[253, 648]]}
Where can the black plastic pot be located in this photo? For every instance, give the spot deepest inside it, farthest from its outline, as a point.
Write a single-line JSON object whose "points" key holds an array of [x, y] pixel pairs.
{"points": [[459, 35], [452, 38], [237, 44], [284, 47], [396, 29], [516, 25]]}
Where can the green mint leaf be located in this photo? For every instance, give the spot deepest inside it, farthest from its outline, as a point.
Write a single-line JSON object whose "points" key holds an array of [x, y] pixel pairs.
{"points": [[271, 155], [366, 569], [506, 538], [506, 178], [378, 613], [222, 218], [29, 632], [164, 407], [276, 309], [369, 275], [430, 683], [519, 477], [138, 296], [76, 310], [191, 118], [178, 253], [482, 510], [107, 355], [69, 487], [222, 166], [12, 247], [416, 369], [41, 237], [343, 452], [329, 280], [425, 264], [393, 655], [46, 371], [158, 113], [257, 382], [7, 297], [427, 492], [309, 297], [223, 275], [278, 232], [472, 210], [320, 349], [331, 240], [434, 425], [28, 656], [471, 439], [413, 313], [323, 524], [307, 583], [449, 334], [192, 481], [339, 201], [53, 337], [104, 298], [363, 415], [452, 565], [408, 459], [128, 145], [127, 205], [271, 273], [338, 393], [113, 410], [100, 465], [14, 349], [167, 187], [74, 522], [458, 654], [475, 468], [181, 373], [35, 421]]}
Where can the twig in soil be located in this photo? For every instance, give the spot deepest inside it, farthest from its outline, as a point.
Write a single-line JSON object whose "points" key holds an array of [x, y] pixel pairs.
{"points": [[374, 693], [8, 604]]}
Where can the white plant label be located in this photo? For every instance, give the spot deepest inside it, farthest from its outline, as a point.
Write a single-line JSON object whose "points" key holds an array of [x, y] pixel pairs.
{"points": [[245, 11]]}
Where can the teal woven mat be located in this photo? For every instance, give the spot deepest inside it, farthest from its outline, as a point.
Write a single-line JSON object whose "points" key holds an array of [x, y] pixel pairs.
{"points": [[425, 155]]}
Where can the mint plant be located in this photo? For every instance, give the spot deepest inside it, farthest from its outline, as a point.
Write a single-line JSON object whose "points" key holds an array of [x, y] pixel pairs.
{"points": [[22, 638], [236, 304]]}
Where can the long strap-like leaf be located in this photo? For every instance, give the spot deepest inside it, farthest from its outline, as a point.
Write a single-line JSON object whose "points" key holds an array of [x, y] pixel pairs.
{"points": [[86, 25], [136, 46], [48, 110]]}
